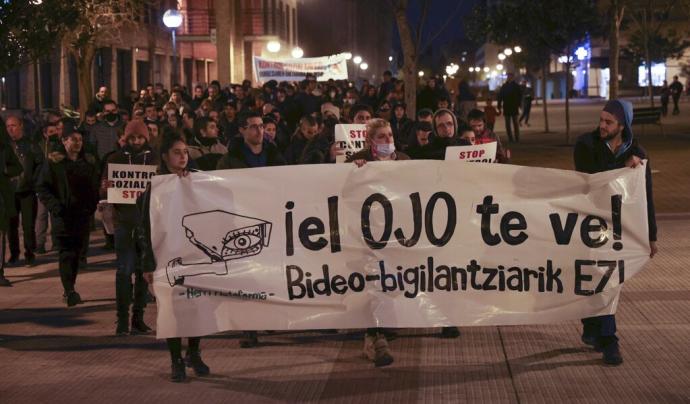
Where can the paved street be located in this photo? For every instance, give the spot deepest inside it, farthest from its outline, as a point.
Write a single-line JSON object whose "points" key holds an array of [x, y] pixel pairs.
{"points": [[54, 354]]}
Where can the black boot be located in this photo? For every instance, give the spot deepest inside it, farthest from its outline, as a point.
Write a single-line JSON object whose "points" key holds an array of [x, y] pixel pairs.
{"points": [[450, 332], [178, 373], [193, 360], [139, 327], [123, 295]]}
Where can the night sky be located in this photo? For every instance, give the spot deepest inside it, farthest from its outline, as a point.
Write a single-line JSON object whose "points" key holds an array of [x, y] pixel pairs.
{"points": [[438, 14]]}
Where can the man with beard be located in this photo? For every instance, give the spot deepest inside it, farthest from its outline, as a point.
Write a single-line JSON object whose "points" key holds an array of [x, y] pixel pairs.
{"points": [[608, 148], [105, 133], [251, 150], [205, 148], [136, 151]]}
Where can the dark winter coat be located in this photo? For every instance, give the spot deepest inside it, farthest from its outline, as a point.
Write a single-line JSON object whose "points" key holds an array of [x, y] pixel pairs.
{"points": [[592, 155], [10, 167], [235, 157], [69, 190], [510, 98], [31, 159]]}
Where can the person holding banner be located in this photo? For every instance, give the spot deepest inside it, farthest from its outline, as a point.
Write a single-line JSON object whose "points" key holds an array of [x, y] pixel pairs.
{"points": [[135, 152], [420, 145], [381, 147], [68, 187], [252, 150], [611, 147], [174, 157]]}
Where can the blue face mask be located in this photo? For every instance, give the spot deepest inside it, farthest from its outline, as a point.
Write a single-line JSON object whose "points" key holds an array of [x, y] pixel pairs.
{"points": [[385, 149]]}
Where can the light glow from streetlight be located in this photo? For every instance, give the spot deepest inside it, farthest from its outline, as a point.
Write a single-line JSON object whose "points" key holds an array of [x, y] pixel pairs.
{"points": [[421, 73], [517, 49], [273, 46], [501, 56], [297, 52], [347, 55], [508, 51], [499, 67], [390, 58], [486, 69], [172, 18], [357, 59], [364, 66], [471, 69]]}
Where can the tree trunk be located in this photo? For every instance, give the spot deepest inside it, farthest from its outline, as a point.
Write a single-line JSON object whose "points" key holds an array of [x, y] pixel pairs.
{"points": [[544, 72], [648, 61], [38, 102], [614, 48], [567, 97], [84, 58], [409, 57]]}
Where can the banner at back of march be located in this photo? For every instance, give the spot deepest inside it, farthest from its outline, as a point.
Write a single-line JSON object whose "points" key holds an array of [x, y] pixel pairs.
{"points": [[392, 244], [324, 68]]}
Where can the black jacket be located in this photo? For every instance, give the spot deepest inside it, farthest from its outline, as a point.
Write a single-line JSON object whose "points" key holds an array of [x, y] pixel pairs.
{"points": [[56, 184], [31, 159], [592, 155], [510, 98], [10, 167], [235, 158]]}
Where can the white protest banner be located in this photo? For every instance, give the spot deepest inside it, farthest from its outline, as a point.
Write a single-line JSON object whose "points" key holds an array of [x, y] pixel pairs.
{"points": [[351, 137], [324, 68], [479, 153], [392, 244], [127, 181]]}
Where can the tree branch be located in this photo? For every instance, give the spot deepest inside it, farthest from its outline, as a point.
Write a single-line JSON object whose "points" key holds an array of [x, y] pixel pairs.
{"points": [[422, 20], [443, 27]]}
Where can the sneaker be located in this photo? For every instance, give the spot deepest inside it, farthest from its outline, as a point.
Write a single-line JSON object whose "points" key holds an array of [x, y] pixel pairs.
{"points": [[382, 355], [178, 373], [612, 355], [450, 332], [193, 360], [139, 327], [249, 339], [4, 282], [41, 249]]}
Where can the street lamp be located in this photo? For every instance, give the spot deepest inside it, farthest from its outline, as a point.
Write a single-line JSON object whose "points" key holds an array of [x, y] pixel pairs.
{"points": [[508, 51], [273, 46], [517, 49], [486, 69], [499, 67], [297, 52], [421, 73], [364, 66], [501, 56], [347, 55], [471, 69], [357, 60], [173, 19], [390, 58]]}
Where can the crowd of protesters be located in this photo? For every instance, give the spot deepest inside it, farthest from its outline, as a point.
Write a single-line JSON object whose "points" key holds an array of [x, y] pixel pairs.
{"points": [[58, 172]]}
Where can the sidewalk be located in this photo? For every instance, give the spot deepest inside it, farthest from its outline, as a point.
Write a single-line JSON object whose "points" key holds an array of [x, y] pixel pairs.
{"points": [[51, 353]]}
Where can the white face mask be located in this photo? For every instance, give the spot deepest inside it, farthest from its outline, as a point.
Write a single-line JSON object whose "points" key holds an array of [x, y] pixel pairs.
{"points": [[385, 149]]}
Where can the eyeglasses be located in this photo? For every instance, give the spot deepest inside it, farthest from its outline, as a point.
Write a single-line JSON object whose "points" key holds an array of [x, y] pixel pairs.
{"points": [[255, 127]]}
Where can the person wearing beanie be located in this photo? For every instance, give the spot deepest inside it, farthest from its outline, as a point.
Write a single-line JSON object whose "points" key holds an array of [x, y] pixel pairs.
{"points": [[68, 187], [136, 151], [609, 147]]}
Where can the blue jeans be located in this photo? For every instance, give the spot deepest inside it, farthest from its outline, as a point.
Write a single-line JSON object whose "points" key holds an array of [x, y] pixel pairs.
{"points": [[125, 250], [600, 326]]}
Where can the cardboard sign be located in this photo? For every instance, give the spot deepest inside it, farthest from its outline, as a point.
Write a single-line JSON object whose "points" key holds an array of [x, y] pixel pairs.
{"points": [[126, 182], [478, 153], [351, 137]]}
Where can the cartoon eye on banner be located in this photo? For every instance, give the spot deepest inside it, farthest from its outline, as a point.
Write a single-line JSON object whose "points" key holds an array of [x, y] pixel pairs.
{"points": [[222, 236]]}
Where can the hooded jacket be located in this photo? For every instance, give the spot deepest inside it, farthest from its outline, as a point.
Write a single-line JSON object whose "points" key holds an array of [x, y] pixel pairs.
{"points": [[235, 157], [438, 144], [206, 152], [593, 155]]}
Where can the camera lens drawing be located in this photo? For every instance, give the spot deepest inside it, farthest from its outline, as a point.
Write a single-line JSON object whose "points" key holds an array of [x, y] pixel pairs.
{"points": [[223, 237]]}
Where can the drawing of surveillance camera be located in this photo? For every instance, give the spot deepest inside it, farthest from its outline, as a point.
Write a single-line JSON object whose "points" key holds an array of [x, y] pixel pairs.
{"points": [[223, 237]]}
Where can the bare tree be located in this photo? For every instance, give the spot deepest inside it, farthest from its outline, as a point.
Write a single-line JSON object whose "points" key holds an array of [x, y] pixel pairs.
{"points": [[96, 22], [413, 46]]}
